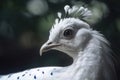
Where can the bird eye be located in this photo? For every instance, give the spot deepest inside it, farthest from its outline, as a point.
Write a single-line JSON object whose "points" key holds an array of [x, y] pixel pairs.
{"points": [[68, 33]]}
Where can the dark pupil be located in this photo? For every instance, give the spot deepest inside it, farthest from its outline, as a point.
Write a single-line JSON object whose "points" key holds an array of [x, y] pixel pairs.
{"points": [[68, 32]]}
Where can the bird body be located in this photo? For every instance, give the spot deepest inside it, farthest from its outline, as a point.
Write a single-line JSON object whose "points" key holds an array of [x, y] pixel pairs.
{"points": [[90, 51], [32, 74]]}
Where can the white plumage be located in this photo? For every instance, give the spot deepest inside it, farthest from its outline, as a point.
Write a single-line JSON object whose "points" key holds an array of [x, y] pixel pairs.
{"points": [[88, 48]]}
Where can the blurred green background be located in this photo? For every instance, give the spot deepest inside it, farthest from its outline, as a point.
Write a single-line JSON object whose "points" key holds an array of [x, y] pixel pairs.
{"points": [[25, 24]]}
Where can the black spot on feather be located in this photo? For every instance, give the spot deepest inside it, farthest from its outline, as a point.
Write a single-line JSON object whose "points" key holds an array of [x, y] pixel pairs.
{"points": [[38, 70], [34, 76], [42, 72], [29, 74], [23, 75], [18, 77], [51, 73], [9, 76]]}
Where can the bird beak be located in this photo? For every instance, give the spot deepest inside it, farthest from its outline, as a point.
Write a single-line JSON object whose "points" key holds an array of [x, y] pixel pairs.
{"points": [[47, 46]]}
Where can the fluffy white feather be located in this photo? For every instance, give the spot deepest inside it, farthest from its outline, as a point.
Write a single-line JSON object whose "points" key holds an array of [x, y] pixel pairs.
{"points": [[88, 48]]}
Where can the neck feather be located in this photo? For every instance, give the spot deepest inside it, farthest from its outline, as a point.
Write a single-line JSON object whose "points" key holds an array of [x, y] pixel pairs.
{"points": [[95, 59], [98, 45]]}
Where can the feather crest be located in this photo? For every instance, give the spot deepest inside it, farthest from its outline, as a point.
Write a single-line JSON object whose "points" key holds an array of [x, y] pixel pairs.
{"points": [[75, 12]]}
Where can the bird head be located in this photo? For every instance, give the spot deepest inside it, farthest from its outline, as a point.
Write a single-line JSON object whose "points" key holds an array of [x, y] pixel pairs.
{"points": [[68, 35]]}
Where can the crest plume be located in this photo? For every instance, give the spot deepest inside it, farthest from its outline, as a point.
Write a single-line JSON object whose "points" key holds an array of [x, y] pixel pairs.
{"points": [[76, 12]]}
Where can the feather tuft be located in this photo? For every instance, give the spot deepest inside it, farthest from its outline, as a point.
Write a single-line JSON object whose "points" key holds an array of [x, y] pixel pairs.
{"points": [[79, 12], [59, 15], [66, 8], [75, 12]]}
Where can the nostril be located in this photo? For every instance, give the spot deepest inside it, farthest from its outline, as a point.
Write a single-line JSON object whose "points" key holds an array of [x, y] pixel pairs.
{"points": [[49, 43]]}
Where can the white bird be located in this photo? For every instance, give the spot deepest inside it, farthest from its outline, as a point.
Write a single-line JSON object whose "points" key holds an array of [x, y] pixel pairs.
{"points": [[90, 51]]}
